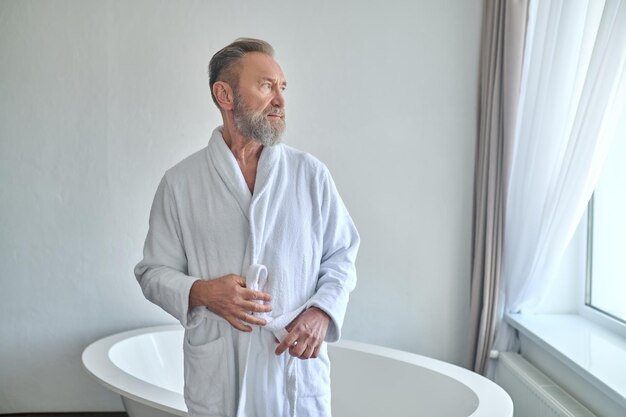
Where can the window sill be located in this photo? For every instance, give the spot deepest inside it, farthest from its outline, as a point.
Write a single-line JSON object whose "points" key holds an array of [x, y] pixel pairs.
{"points": [[593, 353]]}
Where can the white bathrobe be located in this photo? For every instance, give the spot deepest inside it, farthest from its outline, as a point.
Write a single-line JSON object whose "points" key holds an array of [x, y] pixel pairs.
{"points": [[292, 238]]}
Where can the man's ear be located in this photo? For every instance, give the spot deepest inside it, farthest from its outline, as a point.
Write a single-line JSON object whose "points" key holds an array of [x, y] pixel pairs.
{"points": [[223, 94]]}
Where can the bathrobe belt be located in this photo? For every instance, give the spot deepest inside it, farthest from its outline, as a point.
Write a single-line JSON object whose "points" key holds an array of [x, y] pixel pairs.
{"points": [[256, 279]]}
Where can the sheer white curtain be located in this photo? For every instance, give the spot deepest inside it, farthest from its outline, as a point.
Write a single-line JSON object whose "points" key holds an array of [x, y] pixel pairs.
{"points": [[573, 89]]}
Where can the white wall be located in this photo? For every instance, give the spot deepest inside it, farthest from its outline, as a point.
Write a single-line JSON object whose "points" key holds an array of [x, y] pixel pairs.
{"points": [[99, 98]]}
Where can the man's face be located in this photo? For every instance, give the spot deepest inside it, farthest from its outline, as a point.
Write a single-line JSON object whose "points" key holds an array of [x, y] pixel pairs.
{"points": [[259, 105]]}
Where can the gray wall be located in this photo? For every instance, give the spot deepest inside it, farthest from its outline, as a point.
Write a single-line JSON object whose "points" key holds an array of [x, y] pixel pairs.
{"points": [[99, 98]]}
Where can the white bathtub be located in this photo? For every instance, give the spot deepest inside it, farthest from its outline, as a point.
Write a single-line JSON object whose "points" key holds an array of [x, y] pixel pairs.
{"points": [[145, 367]]}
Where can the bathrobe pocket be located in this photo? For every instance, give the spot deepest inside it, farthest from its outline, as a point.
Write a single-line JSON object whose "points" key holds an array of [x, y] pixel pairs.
{"points": [[314, 375], [209, 384]]}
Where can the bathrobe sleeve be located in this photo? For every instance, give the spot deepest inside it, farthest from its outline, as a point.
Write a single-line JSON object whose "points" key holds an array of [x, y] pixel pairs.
{"points": [[162, 274], [337, 274]]}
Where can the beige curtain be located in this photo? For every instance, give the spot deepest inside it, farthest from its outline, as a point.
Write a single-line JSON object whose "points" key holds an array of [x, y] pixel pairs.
{"points": [[502, 47]]}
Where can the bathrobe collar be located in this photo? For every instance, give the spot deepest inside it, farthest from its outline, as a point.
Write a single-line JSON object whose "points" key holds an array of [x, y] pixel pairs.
{"points": [[228, 169]]}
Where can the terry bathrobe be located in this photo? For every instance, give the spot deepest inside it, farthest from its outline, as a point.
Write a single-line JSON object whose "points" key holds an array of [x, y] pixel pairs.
{"points": [[292, 238]]}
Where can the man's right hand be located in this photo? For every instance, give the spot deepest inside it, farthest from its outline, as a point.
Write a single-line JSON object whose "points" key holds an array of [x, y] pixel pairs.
{"points": [[229, 298]]}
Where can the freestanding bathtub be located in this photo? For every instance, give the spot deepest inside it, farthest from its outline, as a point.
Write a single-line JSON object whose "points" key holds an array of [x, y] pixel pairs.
{"points": [[145, 367]]}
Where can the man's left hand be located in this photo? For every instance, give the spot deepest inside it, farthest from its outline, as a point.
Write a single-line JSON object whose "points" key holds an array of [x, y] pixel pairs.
{"points": [[306, 334]]}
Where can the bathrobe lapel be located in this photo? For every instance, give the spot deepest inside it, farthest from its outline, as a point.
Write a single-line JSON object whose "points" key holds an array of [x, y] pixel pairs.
{"points": [[224, 162], [254, 207], [259, 214]]}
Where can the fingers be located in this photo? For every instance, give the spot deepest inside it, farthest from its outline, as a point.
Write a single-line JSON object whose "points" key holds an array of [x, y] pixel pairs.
{"points": [[238, 325], [255, 307], [308, 353], [297, 349], [245, 317], [316, 352], [240, 321], [230, 299], [249, 294], [299, 345], [306, 333], [304, 351], [288, 341]]}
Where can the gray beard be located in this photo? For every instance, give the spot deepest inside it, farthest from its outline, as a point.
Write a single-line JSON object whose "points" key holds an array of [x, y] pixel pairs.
{"points": [[255, 125]]}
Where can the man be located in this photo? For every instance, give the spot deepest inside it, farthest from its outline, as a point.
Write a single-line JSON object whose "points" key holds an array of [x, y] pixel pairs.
{"points": [[252, 249]]}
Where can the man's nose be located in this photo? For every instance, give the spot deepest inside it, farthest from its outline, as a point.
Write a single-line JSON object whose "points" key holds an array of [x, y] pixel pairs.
{"points": [[279, 99]]}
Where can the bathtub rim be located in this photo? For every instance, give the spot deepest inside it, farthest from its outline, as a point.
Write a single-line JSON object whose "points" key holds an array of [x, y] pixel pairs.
{"points": [[97, 362]]}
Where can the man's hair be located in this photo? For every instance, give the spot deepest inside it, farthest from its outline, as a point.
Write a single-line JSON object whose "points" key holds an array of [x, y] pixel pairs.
{"points": [[222, 66]]}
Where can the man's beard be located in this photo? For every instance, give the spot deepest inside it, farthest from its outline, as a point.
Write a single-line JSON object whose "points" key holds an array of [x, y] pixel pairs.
{"points": [[256, 125]]}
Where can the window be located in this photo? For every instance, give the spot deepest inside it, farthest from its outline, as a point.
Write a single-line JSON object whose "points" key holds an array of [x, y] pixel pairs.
{"points": [[606, 237]]}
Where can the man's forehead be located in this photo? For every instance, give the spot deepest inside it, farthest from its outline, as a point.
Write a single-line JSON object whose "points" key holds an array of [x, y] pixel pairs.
{"points": [[261, 66]]}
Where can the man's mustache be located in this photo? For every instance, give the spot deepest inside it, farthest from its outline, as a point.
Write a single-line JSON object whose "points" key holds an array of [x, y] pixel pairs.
{"points": [[275, 111]]}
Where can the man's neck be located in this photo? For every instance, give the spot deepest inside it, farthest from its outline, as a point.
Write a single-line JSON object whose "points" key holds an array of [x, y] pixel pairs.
{"points": [[246, 151]]}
